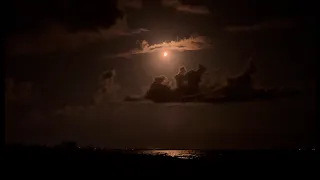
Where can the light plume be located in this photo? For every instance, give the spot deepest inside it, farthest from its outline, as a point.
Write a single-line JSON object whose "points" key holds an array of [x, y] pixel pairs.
{"points": [[185, 44]]}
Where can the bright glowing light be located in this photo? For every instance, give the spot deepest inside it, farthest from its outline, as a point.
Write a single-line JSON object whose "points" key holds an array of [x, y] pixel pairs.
{"points": [[182, 154], [165, 54]]}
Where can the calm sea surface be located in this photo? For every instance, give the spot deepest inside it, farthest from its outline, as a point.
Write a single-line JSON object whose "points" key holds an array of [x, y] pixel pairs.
{"points": [[242, 125], [183, 154]]}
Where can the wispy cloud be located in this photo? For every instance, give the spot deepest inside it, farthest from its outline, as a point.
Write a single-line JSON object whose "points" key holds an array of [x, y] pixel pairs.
{"points": [[193, 9], [179, 6], [274, 24], [186, 44], [136, 31]]}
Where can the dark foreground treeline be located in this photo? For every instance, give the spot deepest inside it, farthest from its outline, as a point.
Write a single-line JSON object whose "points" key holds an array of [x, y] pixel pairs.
{"points": [[129, 159]]}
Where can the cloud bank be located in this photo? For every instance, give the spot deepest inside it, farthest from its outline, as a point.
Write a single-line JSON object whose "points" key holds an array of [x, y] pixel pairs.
{"points": [[195, 9], [186, 44]]}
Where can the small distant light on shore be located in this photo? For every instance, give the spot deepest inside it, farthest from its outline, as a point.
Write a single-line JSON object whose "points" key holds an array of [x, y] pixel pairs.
{"points": [[299, 149], [313, 149]]}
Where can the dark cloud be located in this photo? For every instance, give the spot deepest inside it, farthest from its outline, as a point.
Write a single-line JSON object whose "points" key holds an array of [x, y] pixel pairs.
{"points": [[23, 98], [57, 38], [186, 44], [272, 24], [241, 87], [20, 99], [108, 88], [106, 92], [18, 92], [66, 25], [31, 16], [136, 4], [179, 6]]}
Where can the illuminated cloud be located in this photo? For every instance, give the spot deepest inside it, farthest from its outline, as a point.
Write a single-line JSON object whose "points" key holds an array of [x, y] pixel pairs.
{"points": [[186, 44], [193, 9], [185, 7]]}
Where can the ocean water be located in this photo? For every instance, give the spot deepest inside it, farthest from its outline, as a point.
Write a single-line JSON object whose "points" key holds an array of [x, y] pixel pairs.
{"points": [[281, 124], [182, 154]]}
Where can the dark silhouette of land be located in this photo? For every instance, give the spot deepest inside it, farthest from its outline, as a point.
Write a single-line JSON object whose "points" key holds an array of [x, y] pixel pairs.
{"points": [[129, 159]]}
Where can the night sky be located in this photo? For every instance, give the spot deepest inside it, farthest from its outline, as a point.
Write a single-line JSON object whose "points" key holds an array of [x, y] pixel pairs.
{"points": [[56, 50]]}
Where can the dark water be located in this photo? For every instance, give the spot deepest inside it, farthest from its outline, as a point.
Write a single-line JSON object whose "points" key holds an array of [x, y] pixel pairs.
{"points": [[282, 124], [183, 154], [214, 155]]}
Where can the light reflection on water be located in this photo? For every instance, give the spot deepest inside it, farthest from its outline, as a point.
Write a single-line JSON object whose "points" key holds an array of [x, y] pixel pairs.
{"points": [[182, 154]]}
